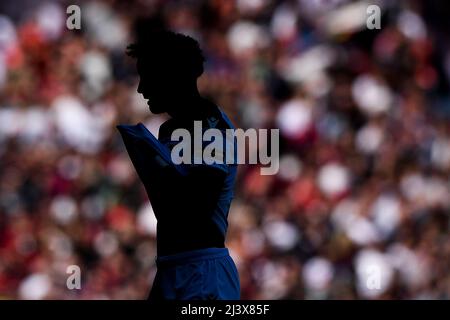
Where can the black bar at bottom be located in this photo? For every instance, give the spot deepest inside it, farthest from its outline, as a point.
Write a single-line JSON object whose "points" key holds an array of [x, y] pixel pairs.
{"points": [[131, 310]]}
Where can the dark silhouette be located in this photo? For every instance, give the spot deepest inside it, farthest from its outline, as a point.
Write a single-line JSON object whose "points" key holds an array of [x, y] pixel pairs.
{"points": [[190, 201]]}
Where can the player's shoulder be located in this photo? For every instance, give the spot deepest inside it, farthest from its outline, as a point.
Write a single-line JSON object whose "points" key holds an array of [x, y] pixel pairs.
{"points": [[217, 118]]}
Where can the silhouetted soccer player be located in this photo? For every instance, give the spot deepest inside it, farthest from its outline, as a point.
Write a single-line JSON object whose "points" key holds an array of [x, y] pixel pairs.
{"points": [[190, 201]]}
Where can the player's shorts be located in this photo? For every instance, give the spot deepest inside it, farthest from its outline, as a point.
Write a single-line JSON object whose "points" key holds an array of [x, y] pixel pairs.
{"points": [[204, 274]]}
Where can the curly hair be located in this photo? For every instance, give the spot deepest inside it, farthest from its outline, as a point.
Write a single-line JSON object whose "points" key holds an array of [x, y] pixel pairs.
{"points": [[170, 48]]}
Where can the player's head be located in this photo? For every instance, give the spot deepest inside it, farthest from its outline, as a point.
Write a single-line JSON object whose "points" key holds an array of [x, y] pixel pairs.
{"points": [[168, 64]]}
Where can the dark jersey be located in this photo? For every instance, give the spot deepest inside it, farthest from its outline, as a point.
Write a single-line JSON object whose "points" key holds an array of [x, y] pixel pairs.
{"points": [[190, 201]]}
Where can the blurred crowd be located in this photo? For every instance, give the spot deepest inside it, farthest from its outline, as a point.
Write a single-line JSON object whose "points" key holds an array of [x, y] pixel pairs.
{"points": [[359, 209]]}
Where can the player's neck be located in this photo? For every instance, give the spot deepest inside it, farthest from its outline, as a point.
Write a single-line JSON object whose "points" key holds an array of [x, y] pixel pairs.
{"points": [[191, 106]]}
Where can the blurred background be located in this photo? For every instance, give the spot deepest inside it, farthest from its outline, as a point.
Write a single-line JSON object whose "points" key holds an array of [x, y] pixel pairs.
{"points": [[363, 188]]}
